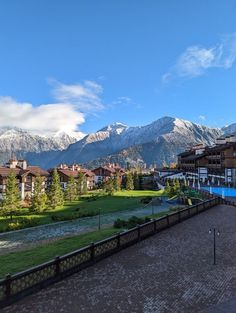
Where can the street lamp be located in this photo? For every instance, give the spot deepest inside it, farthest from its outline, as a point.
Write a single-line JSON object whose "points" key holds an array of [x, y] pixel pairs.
{"points": [[214, 242]]}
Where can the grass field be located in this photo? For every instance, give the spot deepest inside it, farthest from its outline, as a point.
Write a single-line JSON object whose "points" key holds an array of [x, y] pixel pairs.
{"points": [[15, 262], [122, 200]]}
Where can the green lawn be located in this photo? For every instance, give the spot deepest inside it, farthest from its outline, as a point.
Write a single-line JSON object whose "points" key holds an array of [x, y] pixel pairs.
{"points": [[15, 262], [122, 200]]}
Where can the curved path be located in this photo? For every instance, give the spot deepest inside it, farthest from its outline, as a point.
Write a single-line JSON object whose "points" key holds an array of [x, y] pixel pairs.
{"points": [[21, 239]]}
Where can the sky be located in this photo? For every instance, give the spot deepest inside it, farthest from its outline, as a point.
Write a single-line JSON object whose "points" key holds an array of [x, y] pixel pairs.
{"points": [[78, 65]]}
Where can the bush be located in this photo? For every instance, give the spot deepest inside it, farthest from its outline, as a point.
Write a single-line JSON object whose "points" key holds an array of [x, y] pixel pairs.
{"points": [[146, 200], [131, 222], [63, 217], [22, 223]]}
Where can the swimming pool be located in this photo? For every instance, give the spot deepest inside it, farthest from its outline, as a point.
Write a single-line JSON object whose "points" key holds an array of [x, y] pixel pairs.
{"points": [[228, 192]]}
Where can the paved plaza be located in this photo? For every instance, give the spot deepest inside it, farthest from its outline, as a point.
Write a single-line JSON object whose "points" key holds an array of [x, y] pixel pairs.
{"points": [[172, 271]]}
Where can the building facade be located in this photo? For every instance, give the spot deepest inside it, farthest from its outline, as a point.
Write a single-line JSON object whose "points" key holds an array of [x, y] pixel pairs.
{"points": [[25, 176], [214, 163]]}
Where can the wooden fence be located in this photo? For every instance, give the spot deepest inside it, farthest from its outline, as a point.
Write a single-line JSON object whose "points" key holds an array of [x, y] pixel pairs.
{"points": [[17, 286]]}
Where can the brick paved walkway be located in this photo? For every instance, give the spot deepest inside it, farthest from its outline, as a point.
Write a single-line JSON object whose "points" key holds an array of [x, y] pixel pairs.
{"points": [[170, 272]]}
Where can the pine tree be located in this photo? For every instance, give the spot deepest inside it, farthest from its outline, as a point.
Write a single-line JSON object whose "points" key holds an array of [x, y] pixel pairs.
{"points": [[79, 182], [55, 195], [39, 198], [11, 201], [85, 186], [109, 186], [71, 190], [117, 182], [167, 188], [176, 185], [136, 181], [129, 182]]}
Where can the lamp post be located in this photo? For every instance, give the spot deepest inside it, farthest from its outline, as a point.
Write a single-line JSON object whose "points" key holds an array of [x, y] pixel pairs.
{"points": [[214, 242]]}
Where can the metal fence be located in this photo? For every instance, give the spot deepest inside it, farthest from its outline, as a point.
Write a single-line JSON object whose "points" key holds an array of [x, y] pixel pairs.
{"points": [[17, 286], [209, 195]]}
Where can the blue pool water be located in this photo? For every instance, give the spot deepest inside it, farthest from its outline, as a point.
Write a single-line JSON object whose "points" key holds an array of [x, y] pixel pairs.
{"points": [[228, 192]]}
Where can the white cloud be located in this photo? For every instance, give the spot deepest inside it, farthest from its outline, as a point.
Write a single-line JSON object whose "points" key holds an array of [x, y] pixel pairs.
{"points": [[66, 114], [85, 96], [202, 117], [122, 100], [196, 60]]}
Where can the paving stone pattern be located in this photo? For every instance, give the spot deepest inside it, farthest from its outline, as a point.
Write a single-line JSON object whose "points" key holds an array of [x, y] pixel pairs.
{"points": [[172, 271]]}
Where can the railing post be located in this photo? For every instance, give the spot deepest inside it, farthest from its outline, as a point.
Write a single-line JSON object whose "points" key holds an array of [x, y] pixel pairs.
{"points": [[168, 221], [139, 234], [155, 225], [118, 240], [57, 265], [179, 216], [92, 251], [204, 206], [8, 285], [197, 209]]}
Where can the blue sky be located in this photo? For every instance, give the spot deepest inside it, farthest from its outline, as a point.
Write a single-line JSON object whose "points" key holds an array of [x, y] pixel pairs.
{"points": [[71, 64]]}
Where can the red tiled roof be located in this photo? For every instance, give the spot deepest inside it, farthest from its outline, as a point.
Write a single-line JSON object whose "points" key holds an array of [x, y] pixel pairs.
{"points": [[37, 170], [5, 171], [87, 172], [68, 172]]}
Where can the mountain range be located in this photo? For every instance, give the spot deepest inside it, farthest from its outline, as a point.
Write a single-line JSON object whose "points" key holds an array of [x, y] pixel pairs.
{"points": [[156, 143], [15, 142]]}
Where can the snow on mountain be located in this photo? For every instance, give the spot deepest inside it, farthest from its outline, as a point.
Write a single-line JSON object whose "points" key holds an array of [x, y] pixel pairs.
{"points": [[157, 142], [163, 140], [17, 142], [230, 129]]}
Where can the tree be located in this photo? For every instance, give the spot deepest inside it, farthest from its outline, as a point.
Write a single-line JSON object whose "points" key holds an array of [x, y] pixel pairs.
{"points": [[11, 201], [117, 182], [129, 182], [79, 182], [85, 186], [109, 186], [39, 198], [136, 180], [55, 195], [71, 189], [176, 185], [170, 190]]}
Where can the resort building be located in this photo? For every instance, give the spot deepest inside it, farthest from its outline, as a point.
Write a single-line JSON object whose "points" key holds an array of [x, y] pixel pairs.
{"points": [[103, 173], [213, 163], [25, 176], [65, 173]]}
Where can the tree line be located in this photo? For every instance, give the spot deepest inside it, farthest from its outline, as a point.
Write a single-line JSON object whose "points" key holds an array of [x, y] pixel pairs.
{"points": [[54, 196]]}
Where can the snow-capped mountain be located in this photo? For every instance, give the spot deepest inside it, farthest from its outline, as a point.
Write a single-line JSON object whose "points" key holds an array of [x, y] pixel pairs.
{"points": [[230, 129], [17, 142], [157, 142]]}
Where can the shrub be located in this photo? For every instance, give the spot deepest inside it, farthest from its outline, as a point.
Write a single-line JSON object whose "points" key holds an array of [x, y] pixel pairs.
{"points": [[64, 217], [146, 200], [22, 223], [131, 222]]}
